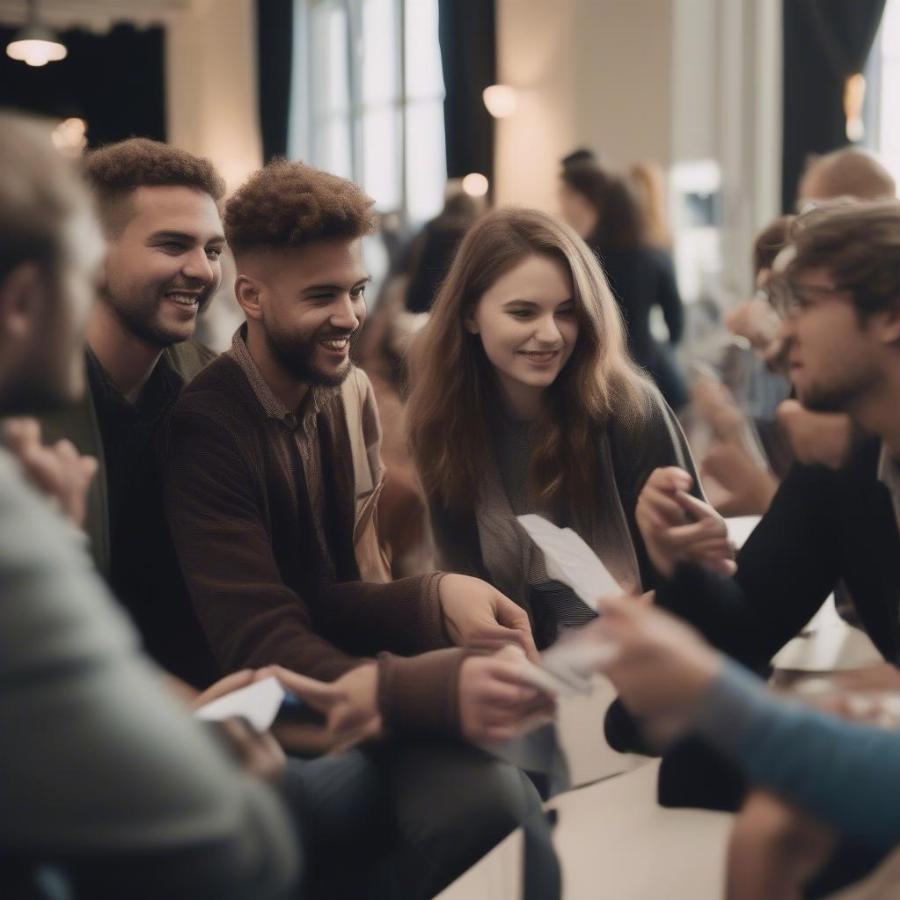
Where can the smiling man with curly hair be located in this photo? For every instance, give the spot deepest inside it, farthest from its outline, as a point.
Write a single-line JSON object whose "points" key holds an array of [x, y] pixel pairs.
{"points": [[272, 477]]}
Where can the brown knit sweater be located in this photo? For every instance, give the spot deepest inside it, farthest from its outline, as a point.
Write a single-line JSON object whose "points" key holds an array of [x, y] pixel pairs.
{"points": [[243, 526]]}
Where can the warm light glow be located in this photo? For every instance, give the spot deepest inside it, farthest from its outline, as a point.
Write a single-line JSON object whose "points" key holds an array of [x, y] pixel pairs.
{"points": [[70, 136], [36, 52], [501, 100], [475, 184]]}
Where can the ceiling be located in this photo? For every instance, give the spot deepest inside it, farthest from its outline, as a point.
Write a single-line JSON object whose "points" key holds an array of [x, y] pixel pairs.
{"points": [[97, 14]]}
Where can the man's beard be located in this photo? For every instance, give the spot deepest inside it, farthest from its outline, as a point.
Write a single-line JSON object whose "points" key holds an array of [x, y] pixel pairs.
{"points": [[841, 398], [294, 357], [142, 320]]}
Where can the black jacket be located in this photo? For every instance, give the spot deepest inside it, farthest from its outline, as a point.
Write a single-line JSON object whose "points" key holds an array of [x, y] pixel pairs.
{"points": [[823, 526]]}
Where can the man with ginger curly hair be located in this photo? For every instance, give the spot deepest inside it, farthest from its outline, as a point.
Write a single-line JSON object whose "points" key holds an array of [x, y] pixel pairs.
{"points": [[158, 207], [271, 477]]}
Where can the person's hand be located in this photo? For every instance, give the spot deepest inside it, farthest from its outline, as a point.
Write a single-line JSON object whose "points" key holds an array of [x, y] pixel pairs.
{"points": [[349, 704], [775, 849], [677, 527], [227, 685], [478, 615], [717, 407], [816, 438], [756, 321], [748, 489], [659, 665], [58, 471], [495, 703], [257, 754]]}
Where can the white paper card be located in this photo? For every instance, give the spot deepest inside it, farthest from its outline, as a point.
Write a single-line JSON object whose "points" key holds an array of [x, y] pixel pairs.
{"points": [[258, 703], [569, 560]]}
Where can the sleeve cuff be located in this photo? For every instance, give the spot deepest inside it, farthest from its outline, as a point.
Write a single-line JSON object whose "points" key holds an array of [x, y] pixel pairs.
{"points": [[420, 694], [731, 709]]}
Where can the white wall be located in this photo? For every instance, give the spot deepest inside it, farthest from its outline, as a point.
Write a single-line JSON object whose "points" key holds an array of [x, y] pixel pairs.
{"points": [[534, 54], [211, 85], [589, 72], [676, 81]]}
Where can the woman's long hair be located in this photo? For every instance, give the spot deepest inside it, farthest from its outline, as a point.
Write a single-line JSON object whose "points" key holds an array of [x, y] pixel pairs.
{"points": [[453, 381], [620, 220]]}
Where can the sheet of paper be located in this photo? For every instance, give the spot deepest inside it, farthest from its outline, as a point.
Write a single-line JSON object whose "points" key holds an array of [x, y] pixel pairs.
{"points": [[258, 703], [569, 560]]}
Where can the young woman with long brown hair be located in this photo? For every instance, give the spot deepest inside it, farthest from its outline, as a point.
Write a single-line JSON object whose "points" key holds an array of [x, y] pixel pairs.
{"points": [[524, 400]]}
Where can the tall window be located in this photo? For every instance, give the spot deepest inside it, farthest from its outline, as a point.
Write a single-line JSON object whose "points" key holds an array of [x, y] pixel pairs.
{"points": [[368, 98], [886, 102]]}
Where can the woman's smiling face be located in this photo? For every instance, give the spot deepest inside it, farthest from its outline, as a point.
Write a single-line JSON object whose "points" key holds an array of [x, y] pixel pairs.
{"points": [[528, 327]]}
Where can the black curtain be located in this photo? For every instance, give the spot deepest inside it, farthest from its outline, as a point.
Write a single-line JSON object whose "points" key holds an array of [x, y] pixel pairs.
{"points": [[275, 47], [467, 31], [825, 41], [114, 81]]}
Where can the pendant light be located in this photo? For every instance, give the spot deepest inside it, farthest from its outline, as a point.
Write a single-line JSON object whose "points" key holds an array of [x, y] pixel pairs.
{"points": [[35, 44]]}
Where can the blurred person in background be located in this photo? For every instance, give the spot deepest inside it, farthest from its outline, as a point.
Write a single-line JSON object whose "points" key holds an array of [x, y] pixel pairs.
{"points": [[649, 181], [847, 172], [604, 211], [382, 350]]}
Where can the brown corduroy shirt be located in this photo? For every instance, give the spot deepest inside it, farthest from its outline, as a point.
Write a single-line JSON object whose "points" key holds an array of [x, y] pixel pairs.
{"points": [[274, 581]]}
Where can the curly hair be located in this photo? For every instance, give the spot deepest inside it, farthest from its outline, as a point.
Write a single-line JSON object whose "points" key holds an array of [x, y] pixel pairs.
{"points": [[114, 171], [288, 204]]}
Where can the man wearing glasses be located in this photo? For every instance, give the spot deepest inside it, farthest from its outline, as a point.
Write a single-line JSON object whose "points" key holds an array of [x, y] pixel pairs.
{"points": [[838, 290]]}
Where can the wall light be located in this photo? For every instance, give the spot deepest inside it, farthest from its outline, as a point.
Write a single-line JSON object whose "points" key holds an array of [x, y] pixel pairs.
{"points": [[35, 44], [475, 184], [501, 100]]}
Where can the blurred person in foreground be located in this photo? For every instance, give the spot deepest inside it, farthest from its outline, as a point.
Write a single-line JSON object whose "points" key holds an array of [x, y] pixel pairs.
{"points": [[817, 779], [102, 772]]}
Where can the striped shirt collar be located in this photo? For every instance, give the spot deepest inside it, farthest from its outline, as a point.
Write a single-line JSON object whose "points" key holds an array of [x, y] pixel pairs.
{"points": [[310, 405]]}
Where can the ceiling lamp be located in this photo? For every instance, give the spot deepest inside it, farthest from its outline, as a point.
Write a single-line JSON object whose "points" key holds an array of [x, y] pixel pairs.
{"points": [[35, 44]]}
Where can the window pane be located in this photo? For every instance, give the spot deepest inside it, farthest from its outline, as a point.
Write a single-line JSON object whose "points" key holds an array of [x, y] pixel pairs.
{"points": [[426, 166], [424, 78], [381, 156], [330, 89], [890, 30], [380, 52], [331, 146]]}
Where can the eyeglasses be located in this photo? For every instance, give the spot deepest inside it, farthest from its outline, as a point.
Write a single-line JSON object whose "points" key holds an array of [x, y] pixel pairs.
{"points": [[790, 299]]}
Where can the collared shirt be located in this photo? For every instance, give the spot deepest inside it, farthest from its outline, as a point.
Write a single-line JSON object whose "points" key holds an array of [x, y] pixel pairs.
{"points": [[889, 476], [299, 427]]}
